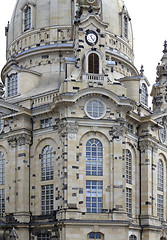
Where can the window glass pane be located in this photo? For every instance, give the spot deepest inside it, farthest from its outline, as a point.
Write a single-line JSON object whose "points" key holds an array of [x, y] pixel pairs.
{"points": [[144, 94], [12, 85], [160, 176], [47, 158], [94, 196], [27, 20], [94, 157], [2, 169], [47, 199], [129, 201], [95, 108], [43, 236], [93, 63], [128, 167], [2, 202], [160, 206]]}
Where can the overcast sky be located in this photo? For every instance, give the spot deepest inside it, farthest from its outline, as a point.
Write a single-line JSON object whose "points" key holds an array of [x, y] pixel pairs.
{"points": [[149, 21]]}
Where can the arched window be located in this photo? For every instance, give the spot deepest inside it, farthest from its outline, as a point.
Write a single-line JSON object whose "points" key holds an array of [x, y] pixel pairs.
{"points": [[132, 237], [27, 18], [47, 163], [95, 235], [128, 167], [2, 168], [94, 157], [144, 94], [160, 175], [93, 63]]}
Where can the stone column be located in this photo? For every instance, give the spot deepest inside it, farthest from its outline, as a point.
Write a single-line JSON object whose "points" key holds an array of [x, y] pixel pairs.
{"points": [[19, 182], [10, 178], [68, 132], [146, 147], [117, 135]]}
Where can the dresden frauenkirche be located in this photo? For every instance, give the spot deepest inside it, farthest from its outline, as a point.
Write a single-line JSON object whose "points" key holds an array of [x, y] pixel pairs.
{"points": [[82, 155]]}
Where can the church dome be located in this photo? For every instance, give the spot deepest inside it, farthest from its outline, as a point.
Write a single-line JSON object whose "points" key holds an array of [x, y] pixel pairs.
{"points": [[49, 42], [49, 14]]}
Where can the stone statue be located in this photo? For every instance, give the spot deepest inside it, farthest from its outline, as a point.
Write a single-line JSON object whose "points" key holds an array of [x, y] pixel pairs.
{"points": [[13, 234]]}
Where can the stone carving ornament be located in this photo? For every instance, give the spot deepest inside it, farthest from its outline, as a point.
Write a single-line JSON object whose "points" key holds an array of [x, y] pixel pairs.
{"points": [[116, 131], [13, 234]]}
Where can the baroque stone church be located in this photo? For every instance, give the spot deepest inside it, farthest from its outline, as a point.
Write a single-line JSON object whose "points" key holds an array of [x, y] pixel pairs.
{"points": [[82, 156]]}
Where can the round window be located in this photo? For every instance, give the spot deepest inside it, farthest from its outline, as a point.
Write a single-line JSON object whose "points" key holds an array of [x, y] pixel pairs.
{"points": [[95, 109], [162, 135]]}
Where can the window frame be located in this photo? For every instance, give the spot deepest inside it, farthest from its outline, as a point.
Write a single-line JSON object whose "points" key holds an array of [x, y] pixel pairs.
{"points": [[31, 23], [160, 176], [128, 156], [12, 85], [129, 201], [94, 157], [160, 206], [47, 122], [2, 202], [47, 199], [43, 236], [144, 94], [47, 163], [91, 115], [94, 196], [95, 235], [125, 23], [100, 55], [2, 168], [93, 63]]}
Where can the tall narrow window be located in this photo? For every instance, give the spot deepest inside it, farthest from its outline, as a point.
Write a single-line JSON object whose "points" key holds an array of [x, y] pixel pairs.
{"points": [[144, 94], [47, 199], [94, 157], [160, 176], [12, 85], [160, 206], [2, 202], [128, 167], [94, 196], [2, 168], [126, 26], [47, 163], [93, 63], [129, 201], [27, 18]]}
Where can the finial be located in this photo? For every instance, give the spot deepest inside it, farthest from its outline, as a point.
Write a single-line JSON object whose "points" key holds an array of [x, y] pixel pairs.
{"points": [[141, 70], [165, 47]]}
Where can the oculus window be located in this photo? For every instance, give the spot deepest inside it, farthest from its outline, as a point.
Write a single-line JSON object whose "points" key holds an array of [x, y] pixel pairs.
{"points": [[95, 109]]}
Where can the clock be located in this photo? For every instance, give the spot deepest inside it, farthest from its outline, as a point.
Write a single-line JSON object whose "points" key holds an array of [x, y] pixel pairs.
{"points": [[91, 38]]}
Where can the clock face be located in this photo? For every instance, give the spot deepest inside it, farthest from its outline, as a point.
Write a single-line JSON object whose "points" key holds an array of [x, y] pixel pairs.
{"points": [[91, 38]]}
